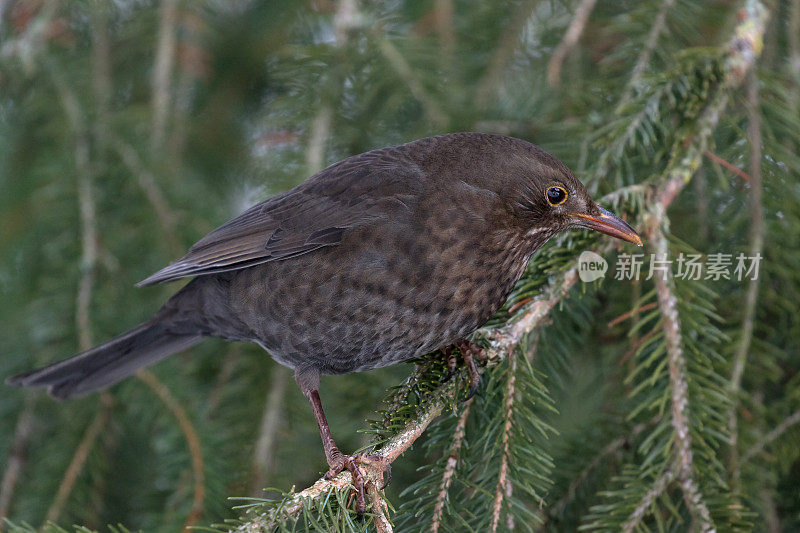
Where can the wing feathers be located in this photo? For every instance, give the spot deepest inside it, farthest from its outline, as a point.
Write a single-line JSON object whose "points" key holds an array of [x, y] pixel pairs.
{"points": [[315, 214]]}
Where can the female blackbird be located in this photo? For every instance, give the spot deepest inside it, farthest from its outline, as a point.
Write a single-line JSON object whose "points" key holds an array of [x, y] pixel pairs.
{"points": [[377, 259]]}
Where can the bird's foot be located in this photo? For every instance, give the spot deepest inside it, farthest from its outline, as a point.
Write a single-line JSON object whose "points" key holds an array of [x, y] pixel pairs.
{"points": [[374, 465], [471, 352]]}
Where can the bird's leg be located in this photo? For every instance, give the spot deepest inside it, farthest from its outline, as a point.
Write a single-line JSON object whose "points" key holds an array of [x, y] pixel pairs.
{"points": [[469, 351], [337, 461]]}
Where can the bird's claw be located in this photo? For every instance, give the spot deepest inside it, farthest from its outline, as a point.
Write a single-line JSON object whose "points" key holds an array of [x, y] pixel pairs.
{"points": [[470, 352], [353, 464]]}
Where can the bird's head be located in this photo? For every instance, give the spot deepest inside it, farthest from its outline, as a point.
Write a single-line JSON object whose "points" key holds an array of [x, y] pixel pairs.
{"points": [[546, 198]]}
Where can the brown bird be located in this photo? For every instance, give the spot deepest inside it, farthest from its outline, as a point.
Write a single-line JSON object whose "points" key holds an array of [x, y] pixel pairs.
{"points": [[379, 258]]}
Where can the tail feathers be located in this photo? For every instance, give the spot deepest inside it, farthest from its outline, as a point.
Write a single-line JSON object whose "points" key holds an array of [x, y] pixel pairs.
{"points": [[108, 363]]}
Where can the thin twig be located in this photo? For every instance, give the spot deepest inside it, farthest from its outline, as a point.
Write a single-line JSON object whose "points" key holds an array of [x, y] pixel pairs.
{"points": [[16, 457], [192, 440], [659, 24], [267, 435], [504, 52], [733, 168], [629, 314], [756, 247], [78, 461], [343, 21], [450, 466], [609, 449], [779, 430], [162, 71], [229, 362], [101, 73], [406, 73], [80, 132], [318, 136], [793, 37], [655, 491], [571, 38], [146, 181], [443, 13]]}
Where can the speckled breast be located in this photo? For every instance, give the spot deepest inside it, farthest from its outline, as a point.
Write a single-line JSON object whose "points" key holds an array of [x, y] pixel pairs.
{"points": [[382, 296]]}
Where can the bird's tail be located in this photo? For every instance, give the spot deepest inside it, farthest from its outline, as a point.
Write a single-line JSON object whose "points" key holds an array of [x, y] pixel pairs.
{"points": [[108, 363]]}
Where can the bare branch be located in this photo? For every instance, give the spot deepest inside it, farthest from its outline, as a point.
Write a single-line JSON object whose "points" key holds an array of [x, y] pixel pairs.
{"points": [[16, 457], [406, 73], [679, 386], [343, 21], [78, 461], [504, 52], [192, 440], [443, 13], [320, 128], [756, 247], [162, 71], [779, 430], [84, 170], [644, 58], [146, 181], [267, 435], [610, 448], [571, 38]]}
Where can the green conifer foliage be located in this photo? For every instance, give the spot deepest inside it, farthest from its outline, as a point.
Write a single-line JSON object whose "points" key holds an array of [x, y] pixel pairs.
{"points": [[130, 129]]}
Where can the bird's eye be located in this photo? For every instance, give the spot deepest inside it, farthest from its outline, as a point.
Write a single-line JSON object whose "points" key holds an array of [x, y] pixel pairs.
{"points": [[556, 195]]}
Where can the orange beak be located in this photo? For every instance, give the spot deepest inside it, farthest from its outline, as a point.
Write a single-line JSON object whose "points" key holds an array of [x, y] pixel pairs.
{"points": [[610, 224]]}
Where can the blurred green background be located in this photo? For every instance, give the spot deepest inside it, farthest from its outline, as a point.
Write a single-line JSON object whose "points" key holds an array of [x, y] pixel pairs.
{"points": [[129, 129]]}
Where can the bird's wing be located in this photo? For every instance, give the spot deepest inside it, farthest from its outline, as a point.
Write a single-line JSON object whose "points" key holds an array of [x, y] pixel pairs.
{"points": [[358, 190]]}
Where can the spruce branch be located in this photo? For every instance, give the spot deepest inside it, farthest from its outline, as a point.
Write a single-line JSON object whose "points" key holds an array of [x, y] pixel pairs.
{"points": [[741, 53], [679, 387], [656, 490], [450, 467], [508, 415]]}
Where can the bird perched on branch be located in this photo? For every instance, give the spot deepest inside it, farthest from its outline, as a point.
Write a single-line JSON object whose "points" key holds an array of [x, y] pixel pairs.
{"points": [[377, 259]]}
